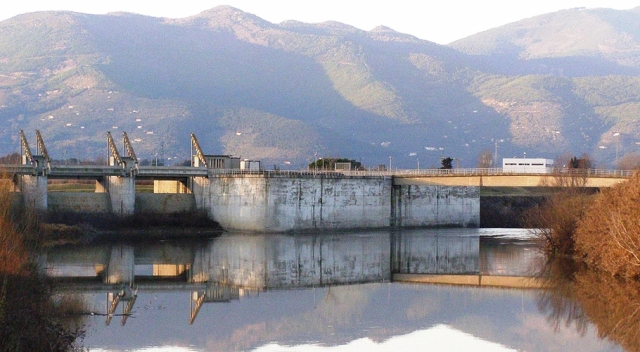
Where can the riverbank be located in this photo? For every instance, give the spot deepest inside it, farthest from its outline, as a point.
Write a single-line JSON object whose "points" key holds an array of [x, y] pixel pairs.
{"points": [[73, 228]]}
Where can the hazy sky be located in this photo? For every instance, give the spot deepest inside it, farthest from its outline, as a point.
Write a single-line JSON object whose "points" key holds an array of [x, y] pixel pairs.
{"points": [[440, 21]]}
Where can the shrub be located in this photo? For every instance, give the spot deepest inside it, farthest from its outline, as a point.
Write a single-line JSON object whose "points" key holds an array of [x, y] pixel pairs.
{"points": [[608, 237], [556, 219]]}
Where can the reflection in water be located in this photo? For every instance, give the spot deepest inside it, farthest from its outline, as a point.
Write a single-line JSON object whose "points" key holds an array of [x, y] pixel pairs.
{"points": [[31, 319], [169, 292], [582, 297]]}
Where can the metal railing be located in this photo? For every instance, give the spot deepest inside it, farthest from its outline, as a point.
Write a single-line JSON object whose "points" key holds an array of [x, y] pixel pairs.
{"points": [[60, 170], [428, 172]]}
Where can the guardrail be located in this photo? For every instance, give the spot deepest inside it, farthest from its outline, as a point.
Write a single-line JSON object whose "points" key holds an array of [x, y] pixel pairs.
{"points": [[185, 171], [428, 172]]}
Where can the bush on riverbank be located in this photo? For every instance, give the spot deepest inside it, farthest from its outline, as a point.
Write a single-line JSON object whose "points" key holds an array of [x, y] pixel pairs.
{"points": [[603, 230], [608, 235], [556, 219]]}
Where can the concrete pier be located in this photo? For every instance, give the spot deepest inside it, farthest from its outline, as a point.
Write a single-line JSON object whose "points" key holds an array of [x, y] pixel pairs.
{"points": [[122, 193], [34, 191]]}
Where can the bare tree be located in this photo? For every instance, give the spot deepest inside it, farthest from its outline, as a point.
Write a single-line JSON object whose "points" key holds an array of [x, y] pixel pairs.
{"points": [[630, 161]]}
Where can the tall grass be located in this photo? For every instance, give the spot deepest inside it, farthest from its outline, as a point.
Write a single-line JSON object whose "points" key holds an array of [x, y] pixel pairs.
{"points": [[29, 319], [17, 233]]}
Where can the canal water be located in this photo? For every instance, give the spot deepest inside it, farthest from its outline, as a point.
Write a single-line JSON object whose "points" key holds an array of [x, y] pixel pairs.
{"points": [[324, 292]]}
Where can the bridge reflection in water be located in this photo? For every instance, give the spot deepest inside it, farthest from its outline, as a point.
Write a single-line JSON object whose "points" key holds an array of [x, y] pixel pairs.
{"points": [[234, 266]]}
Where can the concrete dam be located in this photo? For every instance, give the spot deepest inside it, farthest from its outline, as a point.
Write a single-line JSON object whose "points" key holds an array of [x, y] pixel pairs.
{"points": [[239, 195], [272, 201]]}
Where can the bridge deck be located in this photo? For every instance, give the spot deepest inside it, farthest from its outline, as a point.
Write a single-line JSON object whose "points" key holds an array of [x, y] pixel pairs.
{"points": [[455, 177]]}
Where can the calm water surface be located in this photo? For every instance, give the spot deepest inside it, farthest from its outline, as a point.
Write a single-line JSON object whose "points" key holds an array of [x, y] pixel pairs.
{"points": [[317, 293]]}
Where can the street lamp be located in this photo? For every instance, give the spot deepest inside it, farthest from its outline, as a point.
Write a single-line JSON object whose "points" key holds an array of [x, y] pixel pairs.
{"points": [[617, 135]]}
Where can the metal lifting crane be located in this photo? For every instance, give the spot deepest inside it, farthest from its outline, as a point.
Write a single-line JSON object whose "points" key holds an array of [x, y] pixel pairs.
{"points": [[41, 148], [128, 147], [113, 149], [199, 153], [42, 160], [25, 148], [129, 163]]}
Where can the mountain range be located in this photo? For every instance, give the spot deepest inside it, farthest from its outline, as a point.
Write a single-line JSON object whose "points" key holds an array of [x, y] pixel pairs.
{"points": [[289, 93]]}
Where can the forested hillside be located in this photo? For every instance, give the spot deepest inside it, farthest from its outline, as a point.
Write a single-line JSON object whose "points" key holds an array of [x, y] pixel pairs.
{"points": [[287, 93]]}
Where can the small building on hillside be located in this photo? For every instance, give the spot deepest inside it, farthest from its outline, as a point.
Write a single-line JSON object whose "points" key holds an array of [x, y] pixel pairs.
{"points": [[527, 165]]}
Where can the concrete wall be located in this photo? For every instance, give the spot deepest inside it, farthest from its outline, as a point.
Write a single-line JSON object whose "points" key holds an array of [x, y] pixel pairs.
{"points": [[164, 203], [86, 202], [263, 203], [421, 205], [80, 202], [258, 203], [279, 204]]}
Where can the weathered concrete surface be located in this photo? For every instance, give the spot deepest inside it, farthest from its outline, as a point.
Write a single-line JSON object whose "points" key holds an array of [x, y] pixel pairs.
{"points": [[278, 204], [80, 202], [34, 191], [122, 192], [85, 202], [421, 205], [164, 203]]}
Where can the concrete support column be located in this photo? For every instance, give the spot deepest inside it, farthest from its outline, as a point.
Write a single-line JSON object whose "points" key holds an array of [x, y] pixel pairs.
{"points": [[122, 191], [34, 191], [121, 268], [201, 189]]}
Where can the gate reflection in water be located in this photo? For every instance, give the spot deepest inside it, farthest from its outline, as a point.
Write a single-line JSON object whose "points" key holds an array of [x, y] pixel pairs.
{"points": [[163, 287], [270, 261]]}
